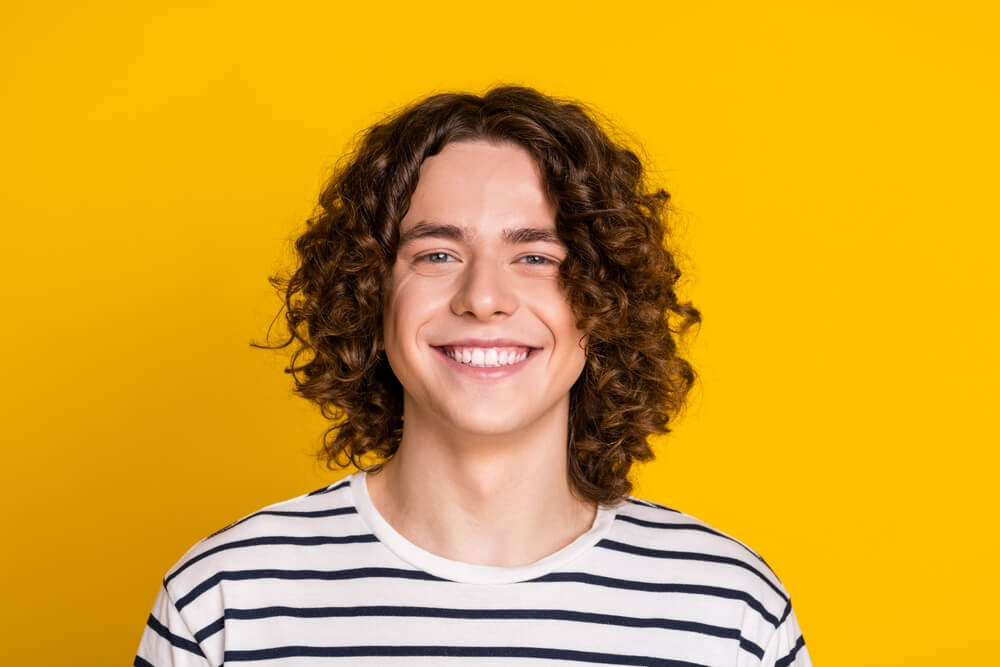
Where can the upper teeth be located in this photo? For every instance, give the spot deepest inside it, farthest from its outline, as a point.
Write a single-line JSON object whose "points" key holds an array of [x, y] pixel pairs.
{"points": [[487, 356]]}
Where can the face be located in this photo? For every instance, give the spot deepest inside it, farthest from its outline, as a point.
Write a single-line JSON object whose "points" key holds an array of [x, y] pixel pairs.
{"points": [[476, 326]]}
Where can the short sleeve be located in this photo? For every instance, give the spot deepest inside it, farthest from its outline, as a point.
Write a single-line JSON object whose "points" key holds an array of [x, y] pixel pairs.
{"points": [[166, 640], [787, 646]]}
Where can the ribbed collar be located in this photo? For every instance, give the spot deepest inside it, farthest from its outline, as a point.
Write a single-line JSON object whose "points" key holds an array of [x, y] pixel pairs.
{"points": [[469, 573]]}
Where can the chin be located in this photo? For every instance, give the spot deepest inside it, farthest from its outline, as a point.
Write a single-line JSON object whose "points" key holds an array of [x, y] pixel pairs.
{"points": [[488, 426]]}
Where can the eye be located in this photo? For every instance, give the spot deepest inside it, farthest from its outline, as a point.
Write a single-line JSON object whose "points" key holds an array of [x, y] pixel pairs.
{"points": [[434, 257], [538, 260]]}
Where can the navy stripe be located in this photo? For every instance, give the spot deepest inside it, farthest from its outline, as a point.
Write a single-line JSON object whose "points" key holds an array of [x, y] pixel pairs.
{"points": [[139, 662], [306, 514], [479, 614], [436, 612], [674, 526], [366, 572], [453, 652], [329, 489], [751, 647], [650, 503], [693, 589], [677, 526], [788, 659], [211, 628], [689, 555], [323, 575], [310, 541], [788, 610], [179, 642], [309, 514]]}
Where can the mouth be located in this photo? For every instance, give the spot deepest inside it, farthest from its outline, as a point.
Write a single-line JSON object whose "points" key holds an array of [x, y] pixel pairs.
{"points": [[486, 357]]}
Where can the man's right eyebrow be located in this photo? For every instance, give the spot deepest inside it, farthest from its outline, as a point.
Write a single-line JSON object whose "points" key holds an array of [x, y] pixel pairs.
{"points": [[426, 229]]}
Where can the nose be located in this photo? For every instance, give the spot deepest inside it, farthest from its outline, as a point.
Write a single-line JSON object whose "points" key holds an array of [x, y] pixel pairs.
{"points": [[484, 291]]}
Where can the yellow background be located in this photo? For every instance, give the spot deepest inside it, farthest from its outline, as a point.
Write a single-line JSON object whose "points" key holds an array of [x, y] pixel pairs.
{"points": [[833, 165]]}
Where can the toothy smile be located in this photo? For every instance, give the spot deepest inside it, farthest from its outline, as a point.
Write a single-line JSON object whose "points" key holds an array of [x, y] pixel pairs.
{"points": [[487, 357]]}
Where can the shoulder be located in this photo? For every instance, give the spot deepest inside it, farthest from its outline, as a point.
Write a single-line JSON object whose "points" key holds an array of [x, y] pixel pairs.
{"points": [[331, 500], [724, 582], [657, 523], [267, 536], [693, 552]]}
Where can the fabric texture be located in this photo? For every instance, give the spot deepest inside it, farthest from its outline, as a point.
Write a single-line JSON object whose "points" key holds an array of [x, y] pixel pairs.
{"points": [[323, 579]]}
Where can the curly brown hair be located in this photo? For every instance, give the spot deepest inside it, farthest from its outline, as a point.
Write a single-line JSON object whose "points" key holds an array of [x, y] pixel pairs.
{"points": [[619, 277]]}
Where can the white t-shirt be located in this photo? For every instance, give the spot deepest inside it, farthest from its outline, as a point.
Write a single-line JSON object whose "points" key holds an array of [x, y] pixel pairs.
{"points": [[324, 579]]}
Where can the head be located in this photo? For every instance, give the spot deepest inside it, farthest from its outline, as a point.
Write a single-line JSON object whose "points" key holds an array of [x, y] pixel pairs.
{"points": [[594, 297], [476, 325]]}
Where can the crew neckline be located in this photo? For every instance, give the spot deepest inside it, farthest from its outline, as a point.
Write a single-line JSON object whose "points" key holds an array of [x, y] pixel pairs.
{"points": [[470, 573]]}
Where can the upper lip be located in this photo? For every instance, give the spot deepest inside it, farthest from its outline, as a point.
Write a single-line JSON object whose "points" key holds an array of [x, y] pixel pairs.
{"points": [[482, 342]]}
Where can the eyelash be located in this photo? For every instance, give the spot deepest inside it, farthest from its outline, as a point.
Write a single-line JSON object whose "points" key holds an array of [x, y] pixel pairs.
{"points": [[432, 254]]}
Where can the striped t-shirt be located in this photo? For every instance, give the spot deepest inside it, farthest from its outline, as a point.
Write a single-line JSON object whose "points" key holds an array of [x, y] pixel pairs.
{"points": [[324, 579]]}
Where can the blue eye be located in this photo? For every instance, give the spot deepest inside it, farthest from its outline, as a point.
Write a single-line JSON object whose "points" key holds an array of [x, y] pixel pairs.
{"points": [[542, 260], [434, 254]]}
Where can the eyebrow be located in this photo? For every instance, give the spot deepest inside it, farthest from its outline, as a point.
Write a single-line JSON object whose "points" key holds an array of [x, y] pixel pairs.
{"points": [[425, 229]]}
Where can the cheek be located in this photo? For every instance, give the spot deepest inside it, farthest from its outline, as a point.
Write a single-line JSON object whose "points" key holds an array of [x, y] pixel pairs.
{"points": [[394, 303], [394, 323], [407, 308], [575, 341], [561, 316]]}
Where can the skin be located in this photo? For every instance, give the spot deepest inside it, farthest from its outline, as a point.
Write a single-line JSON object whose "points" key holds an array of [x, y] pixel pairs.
{"points": [[481, 472]]}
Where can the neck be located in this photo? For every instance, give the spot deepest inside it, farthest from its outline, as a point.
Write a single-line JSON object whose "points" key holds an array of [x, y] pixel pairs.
{"points": [[501, 500]]}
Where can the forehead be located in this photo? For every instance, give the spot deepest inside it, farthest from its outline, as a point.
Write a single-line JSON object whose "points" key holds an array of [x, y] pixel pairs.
{"points": [[481, 186]]}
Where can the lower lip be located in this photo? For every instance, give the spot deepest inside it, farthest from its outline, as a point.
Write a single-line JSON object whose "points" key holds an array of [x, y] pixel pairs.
{"points": [[486, 373]]}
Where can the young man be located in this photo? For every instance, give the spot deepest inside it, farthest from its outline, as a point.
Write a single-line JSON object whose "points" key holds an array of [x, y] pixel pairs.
{"points": [[489, 309]]}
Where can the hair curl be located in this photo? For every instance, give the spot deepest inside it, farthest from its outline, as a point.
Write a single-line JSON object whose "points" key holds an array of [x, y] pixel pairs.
{"points": [[619, 277]]}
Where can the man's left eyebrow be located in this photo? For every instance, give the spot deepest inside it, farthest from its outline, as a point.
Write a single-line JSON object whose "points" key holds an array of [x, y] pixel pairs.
{"points": [[531, 235]]}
